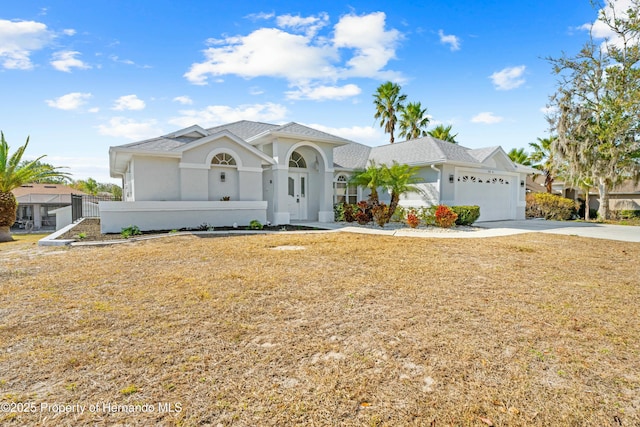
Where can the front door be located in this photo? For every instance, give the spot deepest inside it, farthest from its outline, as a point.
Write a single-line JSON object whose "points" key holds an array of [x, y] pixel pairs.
{"points": [[297, 195]]}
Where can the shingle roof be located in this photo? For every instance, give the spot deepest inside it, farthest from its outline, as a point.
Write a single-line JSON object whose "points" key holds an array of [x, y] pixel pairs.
{"points": [[351, 156], [244, 129], [313, 134], [422, 151]]}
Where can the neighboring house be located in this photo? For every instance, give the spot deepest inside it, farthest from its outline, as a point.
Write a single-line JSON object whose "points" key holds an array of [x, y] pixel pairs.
{"points": [[247, 170], [36, 202], [625, 196]]}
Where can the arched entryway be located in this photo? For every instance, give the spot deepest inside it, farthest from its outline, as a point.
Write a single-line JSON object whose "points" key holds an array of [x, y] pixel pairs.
{"points": [[305, 182]]}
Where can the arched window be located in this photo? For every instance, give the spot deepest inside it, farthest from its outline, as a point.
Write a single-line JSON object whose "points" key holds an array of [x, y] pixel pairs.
{"points": [[297, 161], [343, 192], [223, 159]]}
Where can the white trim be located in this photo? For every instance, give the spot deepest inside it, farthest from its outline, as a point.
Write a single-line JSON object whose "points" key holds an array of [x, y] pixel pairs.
{"points": [[188, 130], [183, 165], [248, 169]]}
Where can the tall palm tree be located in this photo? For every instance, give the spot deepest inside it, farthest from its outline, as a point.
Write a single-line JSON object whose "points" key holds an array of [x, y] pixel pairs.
{"points": [[413, 121], [372, 177], [518, 155], [400, 179], [388, 102], [542, 159], [443, 133], [13, 175]]}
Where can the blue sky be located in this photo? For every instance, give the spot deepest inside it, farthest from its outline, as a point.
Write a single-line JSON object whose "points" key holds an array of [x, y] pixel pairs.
{"points": [[79, 77]]}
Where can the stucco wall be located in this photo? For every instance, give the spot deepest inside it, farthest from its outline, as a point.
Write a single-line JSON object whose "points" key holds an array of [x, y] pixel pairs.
{"points": [[155, 178], [114, 216]]}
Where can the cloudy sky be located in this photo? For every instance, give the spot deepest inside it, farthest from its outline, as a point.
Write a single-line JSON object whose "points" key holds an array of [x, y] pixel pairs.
{"points": [[79, 77]]}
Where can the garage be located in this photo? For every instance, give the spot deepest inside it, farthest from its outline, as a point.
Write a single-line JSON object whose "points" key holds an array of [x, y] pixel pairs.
{"points": [[494, 193]]}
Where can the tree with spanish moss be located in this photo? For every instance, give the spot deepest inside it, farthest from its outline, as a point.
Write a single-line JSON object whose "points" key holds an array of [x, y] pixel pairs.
{"points": [[596, 108]]}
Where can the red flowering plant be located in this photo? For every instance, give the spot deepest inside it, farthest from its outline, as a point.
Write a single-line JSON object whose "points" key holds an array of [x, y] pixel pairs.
{"points": [[412, 219], [445, 217]]}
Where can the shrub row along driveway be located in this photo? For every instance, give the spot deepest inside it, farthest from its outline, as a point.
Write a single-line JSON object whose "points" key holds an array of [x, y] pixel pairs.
{"points": [[335, 329]]}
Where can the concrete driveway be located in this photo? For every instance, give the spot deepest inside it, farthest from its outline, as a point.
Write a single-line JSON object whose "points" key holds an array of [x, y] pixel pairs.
{"points": [[584, 229]]}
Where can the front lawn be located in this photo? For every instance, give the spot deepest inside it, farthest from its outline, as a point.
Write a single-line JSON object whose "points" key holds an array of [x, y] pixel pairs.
{"points": [[322, 329]]}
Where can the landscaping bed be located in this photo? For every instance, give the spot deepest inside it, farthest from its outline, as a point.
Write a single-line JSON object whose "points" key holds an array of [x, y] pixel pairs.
{"points": [[89, 230]]}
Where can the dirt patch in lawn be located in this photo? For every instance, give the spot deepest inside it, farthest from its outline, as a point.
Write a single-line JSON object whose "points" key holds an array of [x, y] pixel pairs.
{"points": [[527, 330]]}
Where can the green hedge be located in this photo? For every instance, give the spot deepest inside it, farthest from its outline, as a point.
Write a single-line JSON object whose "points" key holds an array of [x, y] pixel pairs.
{"points": [[467, 215], [550, 206]]}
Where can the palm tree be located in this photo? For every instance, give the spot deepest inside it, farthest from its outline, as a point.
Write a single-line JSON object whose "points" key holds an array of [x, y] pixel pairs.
{"points": [[443, 133], [542, 157], [13, 175], [400, 179], [372, 177], [413, 121], [518, 155], [388, 102]]}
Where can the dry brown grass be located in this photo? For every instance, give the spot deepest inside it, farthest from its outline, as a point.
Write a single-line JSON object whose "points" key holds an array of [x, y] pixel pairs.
{"points": [[351, 330]]}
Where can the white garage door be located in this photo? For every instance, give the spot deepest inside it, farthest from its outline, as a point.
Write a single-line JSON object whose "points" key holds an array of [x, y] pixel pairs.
{"points": [[492, 192]]}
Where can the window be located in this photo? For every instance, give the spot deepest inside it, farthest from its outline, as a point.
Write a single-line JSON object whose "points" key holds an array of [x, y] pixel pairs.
{"points": [[297, 161], [223, 159], [343, 192], [292, 187]]}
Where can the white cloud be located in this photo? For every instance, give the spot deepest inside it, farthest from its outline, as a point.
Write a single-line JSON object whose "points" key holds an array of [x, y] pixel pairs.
{"points": [[265, 52], [303, 59], [218, 114], [486, 118], [321, 93], [184, 100], [450, 39], [363, 134], [508, 78], [309, 25], [374, 46], [69, 32], [548, 110], [65, 60], [128, 102], [70, 101], [600, 30], [18, 39], [122, 127]]}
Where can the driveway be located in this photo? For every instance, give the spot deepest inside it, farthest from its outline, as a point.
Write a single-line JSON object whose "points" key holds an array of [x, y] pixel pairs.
{"points": [[584, 229]]}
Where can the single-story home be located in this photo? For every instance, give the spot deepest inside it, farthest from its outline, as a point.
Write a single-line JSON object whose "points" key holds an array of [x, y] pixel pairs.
{"points": [[37, 203], [622, 197], [249, 170]]}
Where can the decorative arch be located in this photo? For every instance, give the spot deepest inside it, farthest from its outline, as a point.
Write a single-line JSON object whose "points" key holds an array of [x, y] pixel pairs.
{"points": [[312, 145], [223, 150]]}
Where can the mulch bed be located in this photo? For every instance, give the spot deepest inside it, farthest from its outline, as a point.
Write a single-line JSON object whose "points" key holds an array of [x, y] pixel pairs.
{"points": [[90, 230]]}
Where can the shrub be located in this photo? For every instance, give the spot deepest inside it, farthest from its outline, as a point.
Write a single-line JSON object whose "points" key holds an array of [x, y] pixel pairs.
{"points": [[130, 231], [338, 212], [550, 206], [445, 217], [428, 214], [467, 215], [412, 219], [349, 212], [380, 214], [254, 224], [627, 214], [364, 216]]}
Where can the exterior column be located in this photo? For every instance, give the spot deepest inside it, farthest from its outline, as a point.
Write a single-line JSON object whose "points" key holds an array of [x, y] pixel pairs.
{"points": [[325, 214], [281, 213]]}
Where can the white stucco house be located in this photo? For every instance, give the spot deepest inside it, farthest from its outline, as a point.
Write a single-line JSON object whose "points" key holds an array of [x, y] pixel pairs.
{"points": [[248, 170]]}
